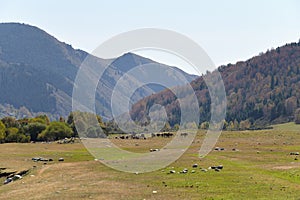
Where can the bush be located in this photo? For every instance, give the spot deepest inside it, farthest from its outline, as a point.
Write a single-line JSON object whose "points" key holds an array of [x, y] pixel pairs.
{"points": [[56, 131], [13, 135], [2, 132], [34, 129]]}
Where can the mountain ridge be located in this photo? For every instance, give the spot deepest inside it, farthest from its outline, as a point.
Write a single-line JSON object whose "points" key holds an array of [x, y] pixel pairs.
{"points": [[37, 72]]}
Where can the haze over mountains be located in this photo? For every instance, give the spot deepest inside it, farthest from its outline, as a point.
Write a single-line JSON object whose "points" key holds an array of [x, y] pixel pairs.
{"points": [[37, 73]]}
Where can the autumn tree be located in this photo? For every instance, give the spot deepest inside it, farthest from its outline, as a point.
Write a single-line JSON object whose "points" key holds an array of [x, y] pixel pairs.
{"points": [[245, 124]]}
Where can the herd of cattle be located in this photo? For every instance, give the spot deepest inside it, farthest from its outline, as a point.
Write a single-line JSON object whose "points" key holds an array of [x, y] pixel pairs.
{"points": [[217, 168], [145, 136]]}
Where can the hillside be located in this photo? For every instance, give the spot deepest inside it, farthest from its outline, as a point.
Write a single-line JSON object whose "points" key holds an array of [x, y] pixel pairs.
{"points": [[37, 73], [264, 89]]}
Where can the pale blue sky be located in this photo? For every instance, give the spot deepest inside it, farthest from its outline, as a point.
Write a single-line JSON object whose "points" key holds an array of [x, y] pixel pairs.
{"points": [[228, 30]]}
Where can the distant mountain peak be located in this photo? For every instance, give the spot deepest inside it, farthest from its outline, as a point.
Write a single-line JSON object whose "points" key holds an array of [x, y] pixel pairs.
{"points": [[37, 72]]}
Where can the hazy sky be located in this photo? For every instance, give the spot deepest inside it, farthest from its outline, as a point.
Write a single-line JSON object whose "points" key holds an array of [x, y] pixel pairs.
{"points": [[228, 30]]}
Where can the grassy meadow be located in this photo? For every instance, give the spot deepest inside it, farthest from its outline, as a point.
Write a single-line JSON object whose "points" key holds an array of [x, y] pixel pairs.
{"points": [[259, 168]]}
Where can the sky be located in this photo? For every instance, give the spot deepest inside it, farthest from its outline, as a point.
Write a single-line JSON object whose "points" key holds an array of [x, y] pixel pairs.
{"points": [[229, 31]]}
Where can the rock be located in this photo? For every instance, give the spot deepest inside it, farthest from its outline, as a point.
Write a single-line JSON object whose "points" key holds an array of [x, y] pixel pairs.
{"points": [[7, 173], [44, 159], [17, 176], [61, 159], [8, 180], [36, 159], [154, 192], [23, 172], [294, 153], [172, 171], [195, 165], [193, 171], [204, 170]]}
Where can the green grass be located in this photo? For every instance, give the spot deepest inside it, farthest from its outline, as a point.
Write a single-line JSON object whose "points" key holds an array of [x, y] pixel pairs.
{"points": [[261, 169], [291, 126]]}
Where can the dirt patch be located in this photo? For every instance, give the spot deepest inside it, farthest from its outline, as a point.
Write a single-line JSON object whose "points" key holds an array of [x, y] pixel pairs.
{"points": [[291, 166], [286, 167]]}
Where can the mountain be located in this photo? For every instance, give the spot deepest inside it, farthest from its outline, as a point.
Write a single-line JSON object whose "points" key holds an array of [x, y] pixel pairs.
{"points": [[264, 90], [37, 73]]}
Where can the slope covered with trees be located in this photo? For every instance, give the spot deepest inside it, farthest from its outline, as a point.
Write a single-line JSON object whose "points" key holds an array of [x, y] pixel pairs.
{"points": [[262, 90]]}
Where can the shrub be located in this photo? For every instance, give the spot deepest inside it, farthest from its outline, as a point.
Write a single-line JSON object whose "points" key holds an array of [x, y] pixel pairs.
{"points": [[56, 131]]}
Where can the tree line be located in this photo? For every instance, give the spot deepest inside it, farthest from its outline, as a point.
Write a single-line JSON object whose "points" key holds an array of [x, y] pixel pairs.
{"points": [[40, 128]]}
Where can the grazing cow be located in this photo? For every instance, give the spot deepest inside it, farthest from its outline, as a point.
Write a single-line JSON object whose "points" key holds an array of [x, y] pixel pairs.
{"points": [[219, 149], [122, 137], [220, 167], [167, 135], [184, 171], [216, 168], [184, 134]]}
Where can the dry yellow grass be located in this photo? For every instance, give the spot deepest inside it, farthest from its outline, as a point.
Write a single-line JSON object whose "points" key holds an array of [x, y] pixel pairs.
{"points": [[261, 169]]}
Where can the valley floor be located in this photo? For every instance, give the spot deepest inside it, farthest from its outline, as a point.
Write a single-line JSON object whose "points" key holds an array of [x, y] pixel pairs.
{"points": [[259, 167]]}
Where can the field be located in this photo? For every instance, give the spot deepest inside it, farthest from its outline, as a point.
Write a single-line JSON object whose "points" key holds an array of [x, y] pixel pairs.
{"points": [[260, 168]]}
